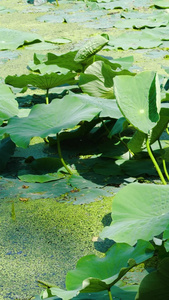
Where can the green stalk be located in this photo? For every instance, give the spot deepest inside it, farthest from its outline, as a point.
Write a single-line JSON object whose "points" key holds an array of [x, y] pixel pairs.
{"points": [[110, 295], [13, 215], [154, 161], [61, 157], [163, 161], [47, 96]]}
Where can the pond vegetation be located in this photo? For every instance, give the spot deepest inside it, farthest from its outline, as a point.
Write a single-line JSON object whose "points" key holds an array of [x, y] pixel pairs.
{"points": [[83, 130]]}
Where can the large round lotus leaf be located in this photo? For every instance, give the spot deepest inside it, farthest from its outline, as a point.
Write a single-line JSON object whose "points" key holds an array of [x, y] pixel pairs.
{"points": [[102, 273], [139, 99], [139, 211], [94, 274], [135, 40], [8, 104], [140, 23], [12, 39], [42, 81], [107, 108], [44, 120]]}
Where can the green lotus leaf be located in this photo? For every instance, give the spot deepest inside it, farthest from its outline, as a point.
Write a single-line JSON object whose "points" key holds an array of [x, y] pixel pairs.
{"points": [[155, 285], [90, 48], [120, 125], [8, 104], [42, 170], [139, 99], [141, 23], [97, 80], [42, 81], [138, 141], [106, 271], [65, 60], [161, 3], [44, 120], [123, 293], [12, 39], [108, 108], [95, 274], [135, 40], [41, 46], [139, 211]]}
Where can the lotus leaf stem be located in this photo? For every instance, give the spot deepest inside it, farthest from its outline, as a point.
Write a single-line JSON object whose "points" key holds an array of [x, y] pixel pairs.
{"points": [[163, 161], [110, 295], [47, 96], [154, 161], [13, 215], [61, 157]]}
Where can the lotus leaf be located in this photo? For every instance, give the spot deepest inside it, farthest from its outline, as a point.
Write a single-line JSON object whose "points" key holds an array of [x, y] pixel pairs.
{"points": [[90, 48], [155, 284], [161, 3], [106, 271], [107, 108], [44, 120], [97, 80], [136, 218], [139, 99], [42, 170], [135, 40], [140, 23], [138, 141], [41, 46], [42, 81], [8, 104], [94, 274], [12, 39], [124, 293]]}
